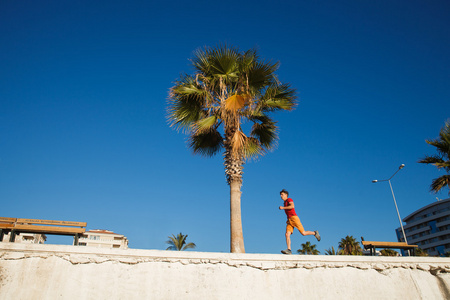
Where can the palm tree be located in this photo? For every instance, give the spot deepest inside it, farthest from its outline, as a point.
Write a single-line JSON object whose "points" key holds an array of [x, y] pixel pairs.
{"points": [[420, 252], [350, 246], [308, 248], [389, 252], [179, 242], [440, 160], [228, 89], [331, 251]]}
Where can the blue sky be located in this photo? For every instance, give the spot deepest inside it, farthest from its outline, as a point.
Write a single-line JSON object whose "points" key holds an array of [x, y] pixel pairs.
{"points": [[84, 135]]}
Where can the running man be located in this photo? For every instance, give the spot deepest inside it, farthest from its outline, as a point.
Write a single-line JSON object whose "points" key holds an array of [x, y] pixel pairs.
{"points": [[293, 221]]}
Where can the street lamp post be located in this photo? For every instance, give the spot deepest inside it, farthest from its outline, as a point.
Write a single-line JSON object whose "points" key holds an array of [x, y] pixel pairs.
{"points": [[393, 196]]}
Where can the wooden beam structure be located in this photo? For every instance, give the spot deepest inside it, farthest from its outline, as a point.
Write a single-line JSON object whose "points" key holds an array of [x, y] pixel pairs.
{"points": [[20, 225]]}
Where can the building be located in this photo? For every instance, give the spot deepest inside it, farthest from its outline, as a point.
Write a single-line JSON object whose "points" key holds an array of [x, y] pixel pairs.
{"points": [[103, 239], [429, 228], [31, 238], [26, 238]]}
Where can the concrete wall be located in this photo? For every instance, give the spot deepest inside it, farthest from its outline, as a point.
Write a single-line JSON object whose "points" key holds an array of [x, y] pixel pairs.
{"points": [[69, 272]]}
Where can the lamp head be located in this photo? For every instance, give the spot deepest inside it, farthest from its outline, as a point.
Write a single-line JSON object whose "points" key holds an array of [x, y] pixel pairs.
{"points": [[375, 181], [401, 166]]}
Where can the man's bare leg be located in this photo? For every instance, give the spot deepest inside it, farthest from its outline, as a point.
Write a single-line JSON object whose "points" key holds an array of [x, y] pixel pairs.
{"points": [[288, 243], [307, 232], [314, 233], [288, 239]]}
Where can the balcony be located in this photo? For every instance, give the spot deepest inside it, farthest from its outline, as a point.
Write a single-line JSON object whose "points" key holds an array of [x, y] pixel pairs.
{"points": [[426, 219], [430, 236]]}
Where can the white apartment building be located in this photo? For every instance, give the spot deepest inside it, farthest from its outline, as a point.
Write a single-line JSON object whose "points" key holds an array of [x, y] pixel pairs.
{"points": [[103, 239], [26, 238], [429, 228]]}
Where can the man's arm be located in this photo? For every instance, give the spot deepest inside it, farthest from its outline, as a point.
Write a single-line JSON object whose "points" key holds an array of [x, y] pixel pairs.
{"points": [[290, 206]]}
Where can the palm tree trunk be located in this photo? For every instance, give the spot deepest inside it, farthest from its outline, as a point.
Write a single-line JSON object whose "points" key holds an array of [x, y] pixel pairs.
{"points": [[237, 237], [233, 172]]}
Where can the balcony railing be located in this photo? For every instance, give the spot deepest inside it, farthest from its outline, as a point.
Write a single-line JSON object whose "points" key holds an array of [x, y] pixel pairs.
{"points": [[102, 241]]}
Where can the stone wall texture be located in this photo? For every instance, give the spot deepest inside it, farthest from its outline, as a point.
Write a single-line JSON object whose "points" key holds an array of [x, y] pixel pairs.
{"points": [[69, 272]]}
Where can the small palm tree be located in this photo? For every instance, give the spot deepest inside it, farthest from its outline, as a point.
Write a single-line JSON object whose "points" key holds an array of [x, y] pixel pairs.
{"points": [[440, 160], [179, 242], [308, 248], [331, 251], [350, 246], [389, 252], [228, 92], [420, 252]]}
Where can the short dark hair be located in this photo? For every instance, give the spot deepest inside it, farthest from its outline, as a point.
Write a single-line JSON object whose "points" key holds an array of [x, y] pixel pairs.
{"points": [[284, 191]]}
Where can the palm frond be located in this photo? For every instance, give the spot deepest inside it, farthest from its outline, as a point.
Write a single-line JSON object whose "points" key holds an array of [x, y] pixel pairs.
{"points": [[261, 74], [278, 97], [442, 146], [189, 246], [332, 251], [442, 143], [238, 141], [438, 183], [248, 59], [207, 142], [224, 61], [176, 243], [252, 148], [188, 86], [235, 102], [200, 61], [442, 159], [266, 133], [431, 159], [437, 161], [205, 124], [220, 61], [186, 103]]}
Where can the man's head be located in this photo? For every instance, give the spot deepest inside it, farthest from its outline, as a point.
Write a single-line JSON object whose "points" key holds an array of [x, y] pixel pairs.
{"points": [[284, 194]]}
